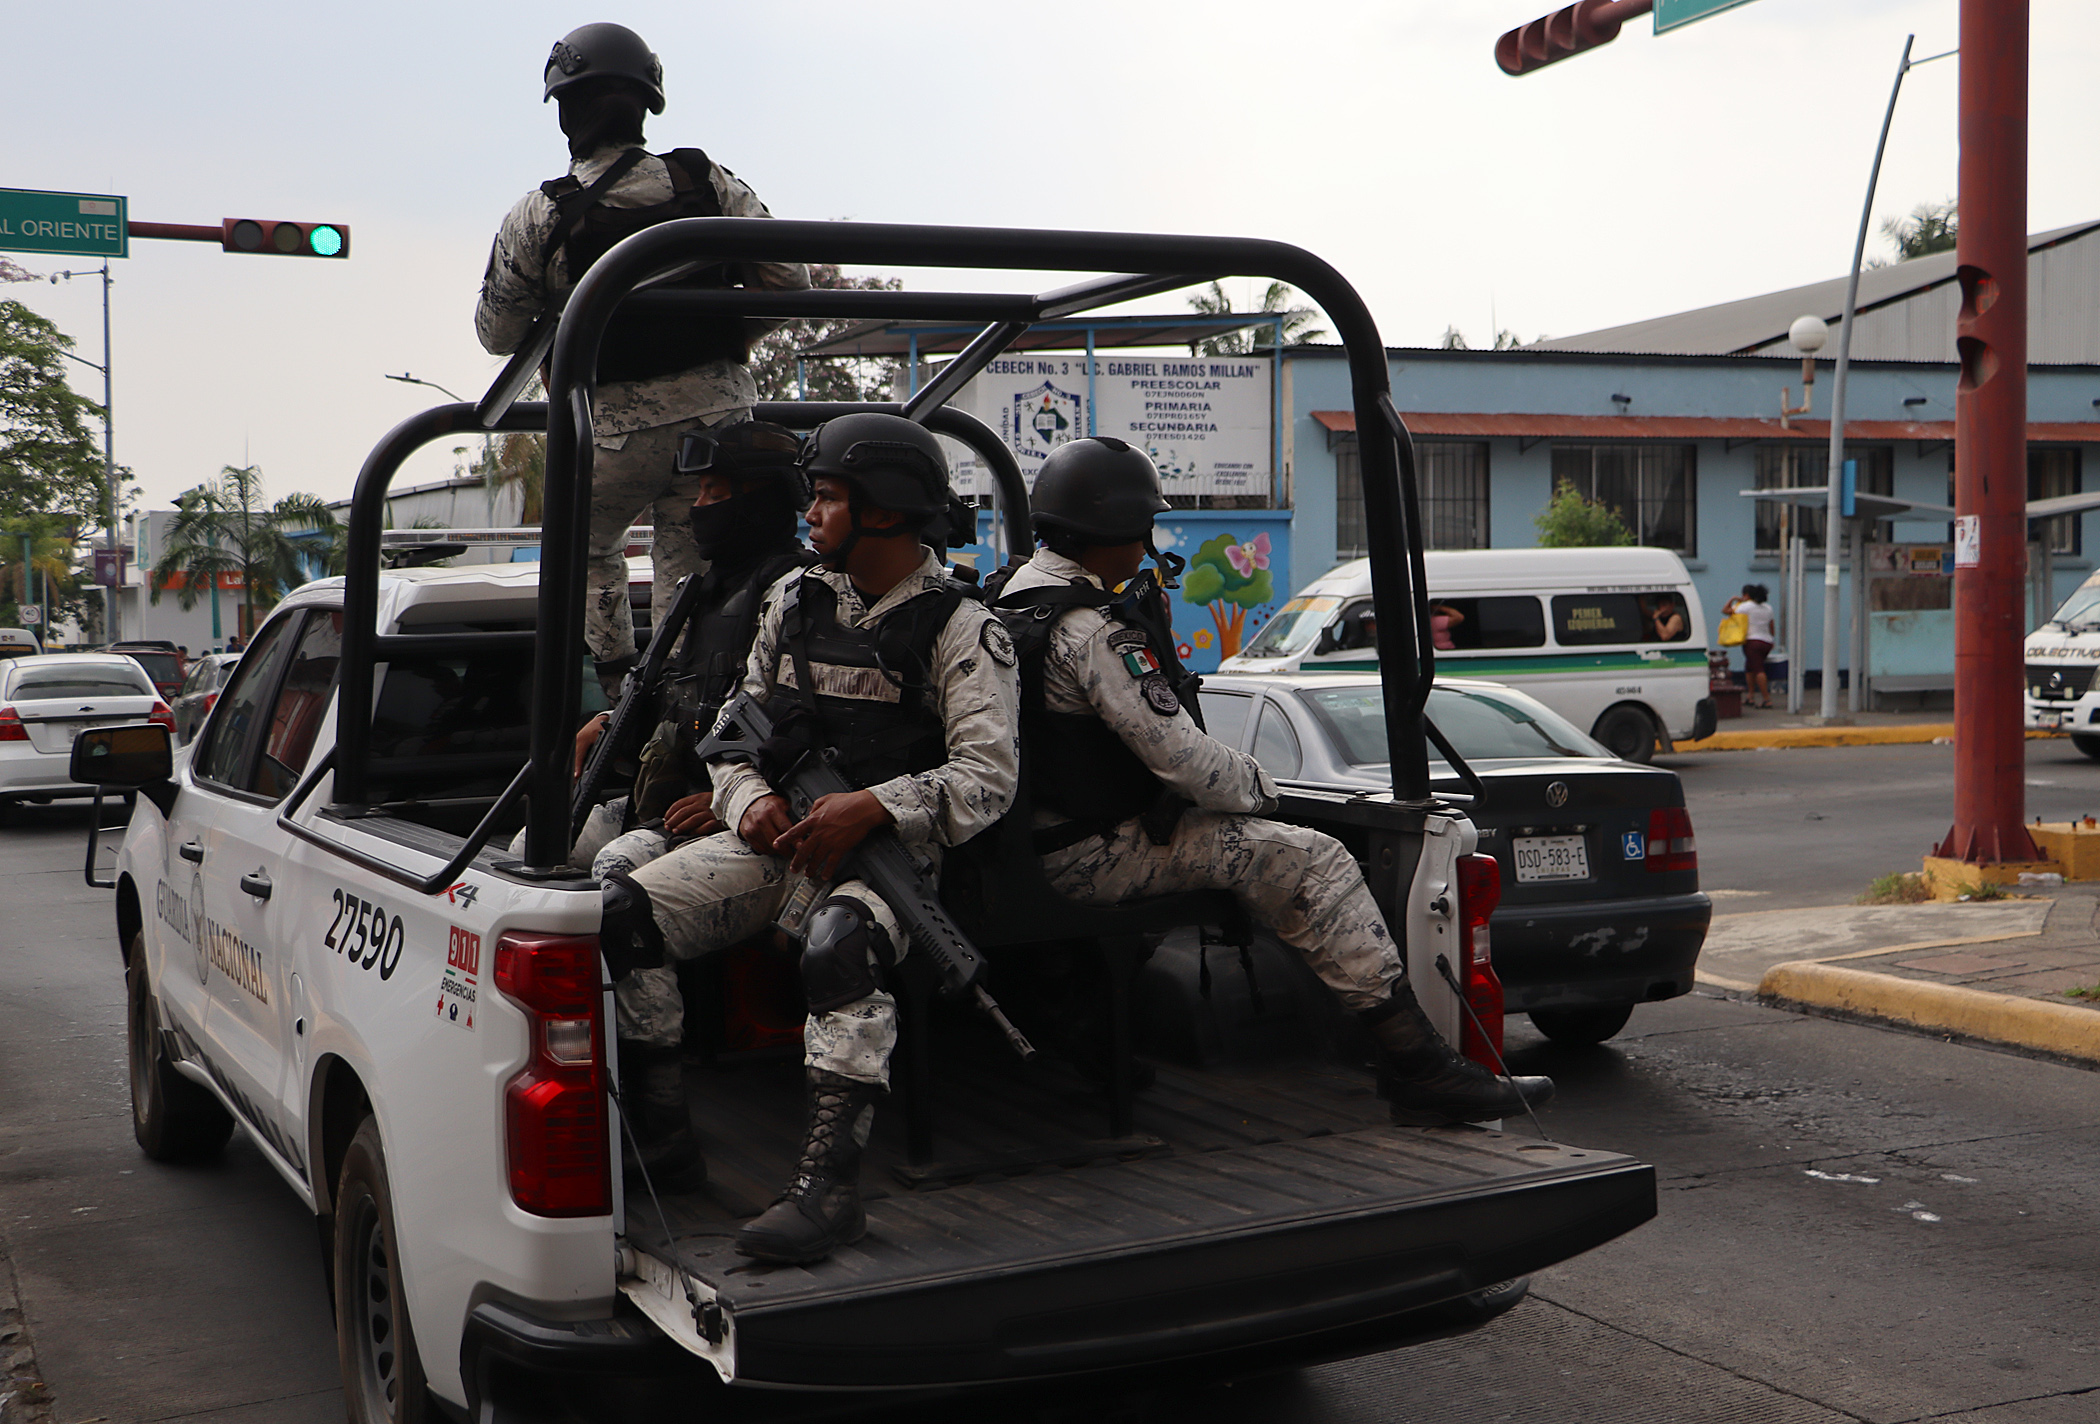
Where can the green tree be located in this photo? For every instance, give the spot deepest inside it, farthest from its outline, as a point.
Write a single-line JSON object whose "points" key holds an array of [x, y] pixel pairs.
{"points": [[1570, 521], [49, 574], [832, 378], [1298, 328], [49, 460], [1927, 228], [1226, 578], [223, 527]]}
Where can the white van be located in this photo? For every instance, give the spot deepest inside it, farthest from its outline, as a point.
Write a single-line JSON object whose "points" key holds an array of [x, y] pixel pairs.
{"points": [[2061, 655], [1612, 639]]}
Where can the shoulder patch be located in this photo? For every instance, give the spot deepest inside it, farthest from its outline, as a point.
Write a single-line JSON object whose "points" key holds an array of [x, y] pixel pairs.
{"points": [[1124, 640], [998, 642], [1159, 696]]}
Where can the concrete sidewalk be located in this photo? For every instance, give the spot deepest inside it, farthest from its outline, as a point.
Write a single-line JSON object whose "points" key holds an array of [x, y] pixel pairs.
{"points": [[1995, 971], [1761, 729]]}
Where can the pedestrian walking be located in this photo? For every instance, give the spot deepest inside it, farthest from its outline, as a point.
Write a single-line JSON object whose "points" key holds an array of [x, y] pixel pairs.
{"points": [[1757, 644]]}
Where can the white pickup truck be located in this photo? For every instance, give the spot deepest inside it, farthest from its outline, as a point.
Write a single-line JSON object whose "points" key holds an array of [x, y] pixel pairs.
{"points": [[327, 944]]}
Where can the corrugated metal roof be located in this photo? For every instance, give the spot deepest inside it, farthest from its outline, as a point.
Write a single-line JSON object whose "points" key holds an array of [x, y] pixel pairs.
{"points": [[2061, 332], [1478, 426]]}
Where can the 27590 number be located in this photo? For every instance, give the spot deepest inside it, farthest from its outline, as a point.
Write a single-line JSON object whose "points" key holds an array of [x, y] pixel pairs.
{"points": [[367, 936]]}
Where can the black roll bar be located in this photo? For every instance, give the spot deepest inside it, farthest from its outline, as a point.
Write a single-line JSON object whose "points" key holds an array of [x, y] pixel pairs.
{"points": [[1139, 263]]}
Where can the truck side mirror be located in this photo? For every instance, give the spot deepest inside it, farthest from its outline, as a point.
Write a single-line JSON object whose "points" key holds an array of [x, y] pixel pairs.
{"points": [[1330, 639], [127, 757]]}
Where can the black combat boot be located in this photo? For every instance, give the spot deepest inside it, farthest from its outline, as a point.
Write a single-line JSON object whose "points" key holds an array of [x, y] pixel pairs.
{"points": [[820, 1211], [1427, 1083], [652, 1095]]}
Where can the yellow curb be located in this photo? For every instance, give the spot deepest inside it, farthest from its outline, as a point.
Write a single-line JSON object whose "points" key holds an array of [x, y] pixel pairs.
{"points": [[1943, 1008], [1908, 735], [1738, 986]]}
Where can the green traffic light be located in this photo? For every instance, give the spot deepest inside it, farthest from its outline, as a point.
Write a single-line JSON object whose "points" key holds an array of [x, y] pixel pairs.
{"points": [[325, 241]]}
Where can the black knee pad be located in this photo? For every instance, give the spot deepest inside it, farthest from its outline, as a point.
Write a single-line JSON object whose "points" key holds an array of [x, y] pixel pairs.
{"points": [[841, 948], [627, 935]]}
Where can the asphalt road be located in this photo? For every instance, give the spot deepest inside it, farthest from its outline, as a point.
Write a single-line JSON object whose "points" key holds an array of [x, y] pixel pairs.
{"points": [[1786, 829], [1855, 1224]]}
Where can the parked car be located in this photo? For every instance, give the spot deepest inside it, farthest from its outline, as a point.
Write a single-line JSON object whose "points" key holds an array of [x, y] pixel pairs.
{"points": [[199, 691], [1601, 908], [46, 700], [160, 660]]}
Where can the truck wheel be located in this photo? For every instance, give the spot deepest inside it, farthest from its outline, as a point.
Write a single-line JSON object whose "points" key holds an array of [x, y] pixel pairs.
{"points": [[2089, 745], [375, 1343], [1581, 1027], [173, 1118], [1627, 732]]}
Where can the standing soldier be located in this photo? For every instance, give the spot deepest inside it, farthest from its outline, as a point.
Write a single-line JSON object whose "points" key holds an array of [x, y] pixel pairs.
{"points": [[879, 656], [1133, 800], [658, 376]]}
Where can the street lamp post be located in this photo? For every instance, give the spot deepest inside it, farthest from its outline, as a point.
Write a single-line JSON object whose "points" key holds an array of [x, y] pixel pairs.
{"points": [[1832, 520], [109, 456]]}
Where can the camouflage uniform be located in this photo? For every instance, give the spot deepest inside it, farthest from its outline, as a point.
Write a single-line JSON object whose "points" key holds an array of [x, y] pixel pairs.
{"points": [[636, 424], [1299, 883], [711, 893]]}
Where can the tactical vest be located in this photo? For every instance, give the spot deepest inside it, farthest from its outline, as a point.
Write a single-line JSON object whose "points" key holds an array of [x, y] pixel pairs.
{"points": [[863, 692], [640, 346], [1072, 763], [717, 647]]}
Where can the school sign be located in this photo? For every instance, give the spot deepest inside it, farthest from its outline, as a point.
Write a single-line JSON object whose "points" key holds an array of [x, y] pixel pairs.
{"points": [[69, 224]]}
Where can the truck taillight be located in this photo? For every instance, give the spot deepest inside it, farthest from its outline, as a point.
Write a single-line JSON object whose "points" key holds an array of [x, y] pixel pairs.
{"points": [[1670, 843], [554, 1111], [11, 728], [163, 715], [1479, 892]]}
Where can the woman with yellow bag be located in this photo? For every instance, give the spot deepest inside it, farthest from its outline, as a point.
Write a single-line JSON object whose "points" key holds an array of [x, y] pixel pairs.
{"points": [[1747, 619]]}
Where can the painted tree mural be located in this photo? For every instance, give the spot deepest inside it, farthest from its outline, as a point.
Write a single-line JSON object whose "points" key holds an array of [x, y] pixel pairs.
{"points": [[1228, 578]]}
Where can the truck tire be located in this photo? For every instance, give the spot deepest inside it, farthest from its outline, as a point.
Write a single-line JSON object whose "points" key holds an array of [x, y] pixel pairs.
{"points": [[1582, 1027], [174, 1119], [375, 1343], [2089, 745], [1628, 733]]}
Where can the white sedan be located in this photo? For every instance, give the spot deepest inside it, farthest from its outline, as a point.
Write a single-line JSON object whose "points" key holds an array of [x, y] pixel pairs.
{"points": [[46, 700]]}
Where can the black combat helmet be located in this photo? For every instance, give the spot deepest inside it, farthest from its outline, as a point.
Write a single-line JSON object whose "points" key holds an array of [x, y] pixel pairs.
{"points": [[770, 490], [605, 52], [891, 462], [1101, 489]]}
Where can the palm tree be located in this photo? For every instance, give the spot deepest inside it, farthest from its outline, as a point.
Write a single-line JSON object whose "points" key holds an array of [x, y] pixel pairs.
{"points": [[223, 527], [1298, 329], [49, 544]]}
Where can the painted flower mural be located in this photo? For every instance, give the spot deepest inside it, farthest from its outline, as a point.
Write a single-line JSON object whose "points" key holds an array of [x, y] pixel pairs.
{"points": [[1227, 578]]}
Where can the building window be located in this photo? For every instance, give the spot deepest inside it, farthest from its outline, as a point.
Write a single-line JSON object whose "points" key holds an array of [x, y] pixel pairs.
{"points": [[1453, 475], [2051, 473], [1803, 467], [1653, 487]]}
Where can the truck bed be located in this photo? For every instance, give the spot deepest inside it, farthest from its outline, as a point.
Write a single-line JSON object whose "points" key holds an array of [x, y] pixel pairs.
{"points": [[1251, 1207]]}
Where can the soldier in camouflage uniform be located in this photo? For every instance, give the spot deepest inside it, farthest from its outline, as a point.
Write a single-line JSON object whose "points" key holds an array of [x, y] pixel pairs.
{"points": [[888, 662], [1111, 749], [655, 383]]}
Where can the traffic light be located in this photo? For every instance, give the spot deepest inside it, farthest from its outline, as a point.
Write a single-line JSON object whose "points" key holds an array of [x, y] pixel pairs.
{"points": [[288, 239], [1583, 25]]}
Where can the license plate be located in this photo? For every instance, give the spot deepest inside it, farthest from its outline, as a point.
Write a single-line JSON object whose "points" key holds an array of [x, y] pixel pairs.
{"points": [[1551, 858]]}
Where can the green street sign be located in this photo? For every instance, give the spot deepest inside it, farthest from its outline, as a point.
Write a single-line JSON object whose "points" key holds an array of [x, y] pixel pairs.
{"points": [[1669, 14], [71, 224]]}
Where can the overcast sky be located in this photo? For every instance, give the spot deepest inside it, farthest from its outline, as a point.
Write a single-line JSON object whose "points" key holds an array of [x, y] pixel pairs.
{"points": [[1656, 174]]}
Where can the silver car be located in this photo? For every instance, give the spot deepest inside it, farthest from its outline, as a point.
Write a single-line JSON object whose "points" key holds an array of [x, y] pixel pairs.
{"points": [[45, 702]]}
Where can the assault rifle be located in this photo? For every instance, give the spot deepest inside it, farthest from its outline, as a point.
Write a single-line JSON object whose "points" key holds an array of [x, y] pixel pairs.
{"points": [[743, 732], [637, 698]]}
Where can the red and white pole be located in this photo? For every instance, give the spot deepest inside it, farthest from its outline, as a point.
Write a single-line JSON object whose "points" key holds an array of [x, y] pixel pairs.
{"points": [[1990, 440]]}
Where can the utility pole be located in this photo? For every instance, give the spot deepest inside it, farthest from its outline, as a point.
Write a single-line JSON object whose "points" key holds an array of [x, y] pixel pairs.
{"points": [[1990, 440], [109, 454]]}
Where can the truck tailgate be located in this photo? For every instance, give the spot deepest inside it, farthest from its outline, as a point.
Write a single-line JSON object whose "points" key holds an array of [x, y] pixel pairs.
{"points": [[1151, 1260]]}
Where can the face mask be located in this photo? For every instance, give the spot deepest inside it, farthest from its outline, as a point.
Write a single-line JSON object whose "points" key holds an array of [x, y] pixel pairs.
{"points": [[747, 524]]}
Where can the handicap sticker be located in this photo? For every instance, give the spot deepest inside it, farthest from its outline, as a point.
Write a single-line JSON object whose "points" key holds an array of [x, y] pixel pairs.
{"points": [[1635, 844]]}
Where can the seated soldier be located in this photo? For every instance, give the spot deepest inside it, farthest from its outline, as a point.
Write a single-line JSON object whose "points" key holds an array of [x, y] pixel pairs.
{"points": [[882, 658], [1109, 741]]}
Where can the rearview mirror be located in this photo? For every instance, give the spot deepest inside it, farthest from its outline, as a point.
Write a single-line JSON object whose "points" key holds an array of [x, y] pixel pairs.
{"points": [[1330, 639], [130, 756]]}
